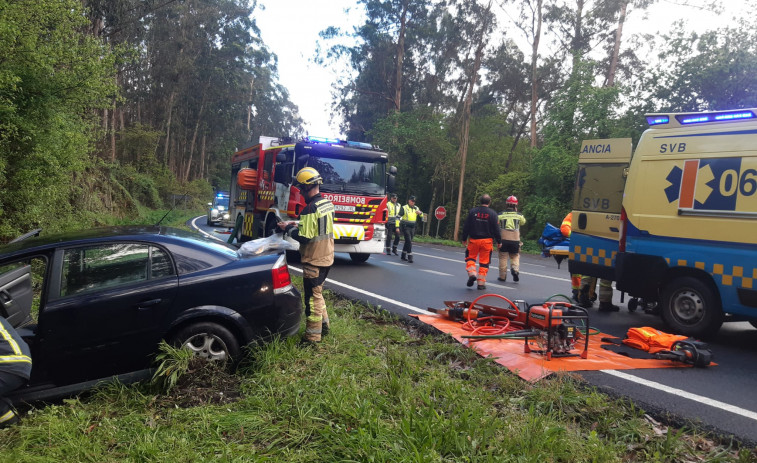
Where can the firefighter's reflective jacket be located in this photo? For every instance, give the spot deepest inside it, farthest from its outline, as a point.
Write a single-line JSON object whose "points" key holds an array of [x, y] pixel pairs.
{"points": [[409, 214], [393, 213], [509, 223], [15, 356], [316, 232]]}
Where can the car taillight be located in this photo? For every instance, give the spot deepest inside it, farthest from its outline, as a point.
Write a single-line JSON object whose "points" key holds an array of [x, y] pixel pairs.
{"points": [[623, 229], [280, 276]]}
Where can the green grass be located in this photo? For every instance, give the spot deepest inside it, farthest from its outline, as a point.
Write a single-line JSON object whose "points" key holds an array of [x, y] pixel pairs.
{"points": [[374, 390]]}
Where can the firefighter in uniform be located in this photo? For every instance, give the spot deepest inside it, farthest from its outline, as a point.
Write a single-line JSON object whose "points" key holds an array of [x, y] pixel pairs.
{"points": [[584, 286], [510, 222], [409, 215], [480, 229], [315, 233], [575, 279], [15, 368], [392, 224]]}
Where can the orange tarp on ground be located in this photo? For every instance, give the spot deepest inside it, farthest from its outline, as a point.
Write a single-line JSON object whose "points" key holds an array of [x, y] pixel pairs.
{"points": [[534, 366]]}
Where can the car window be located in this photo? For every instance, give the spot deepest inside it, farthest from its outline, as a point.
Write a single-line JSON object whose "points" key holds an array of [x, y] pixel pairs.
{"points": [[94, 268]]}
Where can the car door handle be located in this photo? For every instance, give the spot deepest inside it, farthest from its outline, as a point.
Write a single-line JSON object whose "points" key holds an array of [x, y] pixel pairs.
{"points": [[5, 296], [144, 305]]}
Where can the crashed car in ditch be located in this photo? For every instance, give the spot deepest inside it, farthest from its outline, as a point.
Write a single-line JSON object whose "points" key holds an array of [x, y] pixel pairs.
{"points": [[96, 304]]}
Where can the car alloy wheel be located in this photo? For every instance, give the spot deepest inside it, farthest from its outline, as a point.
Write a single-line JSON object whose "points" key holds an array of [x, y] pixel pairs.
{"points": [[208, 340]]}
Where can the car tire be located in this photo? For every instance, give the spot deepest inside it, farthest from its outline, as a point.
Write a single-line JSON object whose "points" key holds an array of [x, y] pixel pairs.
{"points": [[359, 257], [690, 307], [208, 340]]}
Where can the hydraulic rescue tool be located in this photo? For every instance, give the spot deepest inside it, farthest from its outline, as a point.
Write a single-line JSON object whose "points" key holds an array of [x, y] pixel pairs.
{"points": [[554, 326], [691, 352]]}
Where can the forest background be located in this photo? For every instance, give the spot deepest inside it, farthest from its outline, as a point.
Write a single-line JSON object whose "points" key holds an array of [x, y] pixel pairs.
{"points": [[109, 108]]}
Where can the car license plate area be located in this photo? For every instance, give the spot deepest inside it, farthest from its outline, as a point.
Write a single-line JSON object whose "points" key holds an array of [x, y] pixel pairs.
{"points": [[344, 208]]}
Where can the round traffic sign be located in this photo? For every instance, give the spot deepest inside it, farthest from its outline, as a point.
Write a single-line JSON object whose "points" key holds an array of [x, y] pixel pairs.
{"points": [[440, 213]]}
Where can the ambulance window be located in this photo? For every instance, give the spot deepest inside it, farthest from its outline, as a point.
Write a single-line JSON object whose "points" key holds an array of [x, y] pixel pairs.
{"points": [[599, 188]]}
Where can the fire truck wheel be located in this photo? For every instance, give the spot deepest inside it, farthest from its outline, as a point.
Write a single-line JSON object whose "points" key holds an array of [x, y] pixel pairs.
{"points": [[359, 257], [690, 307]]}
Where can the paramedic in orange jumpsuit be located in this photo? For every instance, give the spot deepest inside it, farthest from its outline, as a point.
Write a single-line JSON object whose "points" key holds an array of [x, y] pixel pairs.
{"points": [[481, 228]]}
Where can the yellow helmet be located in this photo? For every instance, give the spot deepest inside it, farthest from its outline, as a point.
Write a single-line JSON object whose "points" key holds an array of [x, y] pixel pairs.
{"points": [[309, 176]]}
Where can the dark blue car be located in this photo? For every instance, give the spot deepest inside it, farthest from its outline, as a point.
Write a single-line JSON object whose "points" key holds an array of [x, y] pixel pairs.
{"points": [[105, 298]]}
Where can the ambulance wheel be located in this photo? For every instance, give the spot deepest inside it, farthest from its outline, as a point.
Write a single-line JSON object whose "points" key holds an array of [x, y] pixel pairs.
{"points": [[690, 307], [359, 257]]}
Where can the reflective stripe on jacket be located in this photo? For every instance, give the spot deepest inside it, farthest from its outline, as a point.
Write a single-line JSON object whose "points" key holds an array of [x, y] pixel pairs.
{"points": [[410, 214], [315, 232], [509, 223], [393, 212], [15, 356]]}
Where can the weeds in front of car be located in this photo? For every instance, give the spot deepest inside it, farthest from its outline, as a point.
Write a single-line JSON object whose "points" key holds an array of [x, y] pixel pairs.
{"points": [[375, 389]]}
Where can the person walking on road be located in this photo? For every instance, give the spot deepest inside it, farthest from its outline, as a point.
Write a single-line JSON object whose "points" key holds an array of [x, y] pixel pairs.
{"points": [[392, 223], [15, 369], [409, 215], [315, 233], [510, 222], [481, 228]]}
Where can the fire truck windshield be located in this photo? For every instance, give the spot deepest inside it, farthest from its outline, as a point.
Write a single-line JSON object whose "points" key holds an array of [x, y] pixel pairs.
{"points": [[351, 176]]}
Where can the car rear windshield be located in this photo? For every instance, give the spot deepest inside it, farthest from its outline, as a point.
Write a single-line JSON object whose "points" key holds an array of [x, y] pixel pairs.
{"points": [[204, 241]]}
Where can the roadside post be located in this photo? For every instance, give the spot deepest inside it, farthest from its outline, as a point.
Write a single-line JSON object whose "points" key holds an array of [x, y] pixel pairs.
{"points": [[440, 213]]}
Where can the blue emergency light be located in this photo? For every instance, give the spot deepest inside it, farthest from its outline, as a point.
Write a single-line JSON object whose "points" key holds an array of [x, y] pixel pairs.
{"points": [[323, 140], [657, 120], [714, 117], [358, 144]]}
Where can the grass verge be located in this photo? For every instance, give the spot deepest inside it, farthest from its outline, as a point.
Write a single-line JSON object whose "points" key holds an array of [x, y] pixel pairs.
{"points": [[376, 389]]}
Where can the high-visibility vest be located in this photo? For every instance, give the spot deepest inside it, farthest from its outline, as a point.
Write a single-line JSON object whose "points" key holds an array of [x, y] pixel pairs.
{"points": [[15, 356], [410, 214], [650, 339], [393, 212], [567, 225]]}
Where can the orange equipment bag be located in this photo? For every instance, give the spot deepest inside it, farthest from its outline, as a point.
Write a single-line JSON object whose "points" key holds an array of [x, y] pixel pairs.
{"points": [[247, 179], [650, 339]]}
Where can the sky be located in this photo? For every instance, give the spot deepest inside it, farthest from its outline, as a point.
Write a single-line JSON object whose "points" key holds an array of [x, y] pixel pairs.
{"points": [[290, 29]]}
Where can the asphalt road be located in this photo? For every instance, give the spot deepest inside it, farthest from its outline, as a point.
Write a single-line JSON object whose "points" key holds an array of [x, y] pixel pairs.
{"points": [[717, 398]]}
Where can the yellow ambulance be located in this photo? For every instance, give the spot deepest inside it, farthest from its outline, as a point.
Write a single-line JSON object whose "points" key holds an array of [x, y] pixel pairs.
{"points": [[687, 231]]}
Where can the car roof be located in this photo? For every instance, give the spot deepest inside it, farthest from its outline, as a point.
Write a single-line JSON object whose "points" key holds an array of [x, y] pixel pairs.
{"points": [[125, 233]]}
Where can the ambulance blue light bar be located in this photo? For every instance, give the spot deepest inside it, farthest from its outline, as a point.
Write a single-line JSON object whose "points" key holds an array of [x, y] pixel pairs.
{"points": [[324, 140], [359, 144], [657, 120], [714, 117]]}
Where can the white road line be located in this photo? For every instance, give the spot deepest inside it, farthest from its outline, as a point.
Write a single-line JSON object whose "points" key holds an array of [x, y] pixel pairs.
{"points": [[374, 295], [618, 374], [435, 272], [681, 393], [461, 262]]}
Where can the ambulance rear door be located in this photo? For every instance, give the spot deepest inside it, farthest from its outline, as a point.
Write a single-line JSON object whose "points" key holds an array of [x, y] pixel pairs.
{"points": [[597, 201]]}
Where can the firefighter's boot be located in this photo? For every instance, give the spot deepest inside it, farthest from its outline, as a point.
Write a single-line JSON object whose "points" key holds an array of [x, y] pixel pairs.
{"points": [[575, 295], [404, 256], [516, 274], [583, 298], [410, 258], [608, 307], [394, 250], [471, 280]]}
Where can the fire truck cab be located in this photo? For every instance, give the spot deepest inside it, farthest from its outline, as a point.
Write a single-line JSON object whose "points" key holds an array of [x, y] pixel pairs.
{"points": [[355, 178]]}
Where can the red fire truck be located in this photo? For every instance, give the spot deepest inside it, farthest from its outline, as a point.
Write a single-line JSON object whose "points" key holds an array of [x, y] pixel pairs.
{"points": [[356, 179]]}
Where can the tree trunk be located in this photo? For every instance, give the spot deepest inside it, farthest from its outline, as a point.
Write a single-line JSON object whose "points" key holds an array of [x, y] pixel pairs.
{"points": [[616, 48], [465, 129], [400, 57], [168, 124], [249, 108], [534, 80], [202, 158]]}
